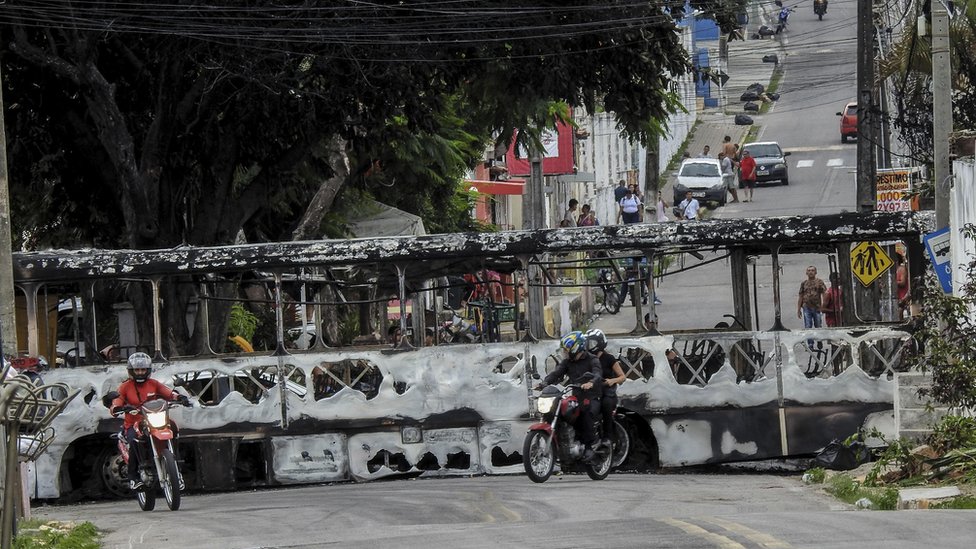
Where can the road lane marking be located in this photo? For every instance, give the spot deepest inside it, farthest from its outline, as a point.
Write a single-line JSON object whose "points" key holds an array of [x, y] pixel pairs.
{"points": [[762, 538], [835, 162], [697, 531], [818, 149], [804, 164]]}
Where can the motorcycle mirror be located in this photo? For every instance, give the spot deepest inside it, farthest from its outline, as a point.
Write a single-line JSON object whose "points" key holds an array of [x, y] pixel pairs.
{"points": [[109, 397], [179, 382]]}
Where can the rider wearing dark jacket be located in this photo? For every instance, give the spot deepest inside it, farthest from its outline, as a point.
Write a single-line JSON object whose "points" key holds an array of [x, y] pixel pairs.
{"points": [[583, 369], [613, 375]]}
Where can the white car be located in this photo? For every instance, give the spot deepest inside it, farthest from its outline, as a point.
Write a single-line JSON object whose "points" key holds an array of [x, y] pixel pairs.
{"points": [[704, 178]]}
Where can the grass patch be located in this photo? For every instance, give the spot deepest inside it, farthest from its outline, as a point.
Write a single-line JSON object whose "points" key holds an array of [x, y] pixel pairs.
{"points": [[678, 156], [774, 81], [962, 502], [848, 490], [35, 534]]}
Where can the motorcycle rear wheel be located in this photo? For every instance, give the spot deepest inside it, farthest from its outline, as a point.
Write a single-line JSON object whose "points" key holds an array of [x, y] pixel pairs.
{"points": [[621, 444], [611, 300], [170, 481], [600, 467], [538, 456]]}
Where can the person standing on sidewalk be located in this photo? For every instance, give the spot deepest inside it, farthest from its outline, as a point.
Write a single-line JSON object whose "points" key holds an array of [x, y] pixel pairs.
{"points": [[747, 175], [728, 173], [729, 148], [619, 192], [662, 208]]}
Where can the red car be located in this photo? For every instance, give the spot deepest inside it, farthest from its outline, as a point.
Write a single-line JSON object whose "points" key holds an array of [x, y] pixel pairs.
{"points": [[848, 122]]}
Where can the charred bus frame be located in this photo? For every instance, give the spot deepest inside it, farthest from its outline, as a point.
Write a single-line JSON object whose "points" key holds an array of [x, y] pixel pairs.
{"points": [[324, 413]]}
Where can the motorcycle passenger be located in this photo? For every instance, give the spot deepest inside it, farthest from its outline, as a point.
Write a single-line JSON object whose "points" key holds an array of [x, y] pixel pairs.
{"points": [[613, 375], [133, 393], [583, 369]]}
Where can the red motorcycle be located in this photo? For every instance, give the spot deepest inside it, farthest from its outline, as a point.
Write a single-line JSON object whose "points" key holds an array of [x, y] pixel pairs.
{"points": [[554, 438], [158, 469]]}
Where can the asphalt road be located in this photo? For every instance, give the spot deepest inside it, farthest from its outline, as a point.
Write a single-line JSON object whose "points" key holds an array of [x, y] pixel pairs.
{"points": [[626, 510]]}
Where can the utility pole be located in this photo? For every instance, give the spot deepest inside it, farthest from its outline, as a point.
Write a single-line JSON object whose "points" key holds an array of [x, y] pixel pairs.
{"points": [[866, 113], [8, 321], [941, 110], [534, 217]]}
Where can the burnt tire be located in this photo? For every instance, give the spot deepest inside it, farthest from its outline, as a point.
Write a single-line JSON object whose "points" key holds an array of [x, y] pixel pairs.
{"points": [[111, 470]]}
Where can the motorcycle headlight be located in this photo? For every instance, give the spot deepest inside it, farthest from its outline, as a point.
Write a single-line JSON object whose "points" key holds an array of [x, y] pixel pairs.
{"points": [[544, 404], [157, 420]]}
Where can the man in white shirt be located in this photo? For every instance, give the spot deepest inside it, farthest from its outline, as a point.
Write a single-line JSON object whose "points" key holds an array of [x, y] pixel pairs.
{"points": [[728, 173], [569, 218], [689, 207]]}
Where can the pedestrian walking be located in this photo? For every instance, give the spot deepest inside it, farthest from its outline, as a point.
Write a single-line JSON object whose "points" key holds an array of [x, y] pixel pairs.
{"points": [[629, 208]]}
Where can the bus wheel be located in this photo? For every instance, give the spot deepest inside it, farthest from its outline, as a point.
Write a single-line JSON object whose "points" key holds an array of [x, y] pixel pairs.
{"points": [[111, 468]]}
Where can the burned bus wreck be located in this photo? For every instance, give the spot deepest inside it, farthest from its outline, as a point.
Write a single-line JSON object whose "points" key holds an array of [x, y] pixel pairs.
{"points": [[319, 400]]}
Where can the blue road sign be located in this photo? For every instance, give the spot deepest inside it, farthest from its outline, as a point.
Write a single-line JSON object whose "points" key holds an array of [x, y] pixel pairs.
{"points": [[937, 244]]}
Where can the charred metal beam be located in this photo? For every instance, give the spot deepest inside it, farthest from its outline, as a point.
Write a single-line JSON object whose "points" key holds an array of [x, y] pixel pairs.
{"points": [[753, 234]]}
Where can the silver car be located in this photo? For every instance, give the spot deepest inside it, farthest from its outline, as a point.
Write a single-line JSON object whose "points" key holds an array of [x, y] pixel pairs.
{"points": [[704, 178]]}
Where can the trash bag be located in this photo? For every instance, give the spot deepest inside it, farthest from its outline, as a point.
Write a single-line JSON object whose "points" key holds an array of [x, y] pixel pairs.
{"points": [[756, 87], [743, 120], [766, 31], [750, 106], [774, 96], [840, 457], [771, 58], [749, 95]]}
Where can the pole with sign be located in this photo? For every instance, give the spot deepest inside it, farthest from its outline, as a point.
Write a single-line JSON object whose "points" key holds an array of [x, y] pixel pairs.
{"points": [[937, 244]]}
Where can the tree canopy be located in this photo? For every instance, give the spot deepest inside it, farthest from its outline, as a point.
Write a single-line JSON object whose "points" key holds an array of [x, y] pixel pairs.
{"points": [[149, 124], [909, 65]]}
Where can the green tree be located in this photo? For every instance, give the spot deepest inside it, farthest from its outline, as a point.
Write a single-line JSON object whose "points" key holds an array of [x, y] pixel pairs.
{"points": [[947, 338], [909, 66], [146, 124]]}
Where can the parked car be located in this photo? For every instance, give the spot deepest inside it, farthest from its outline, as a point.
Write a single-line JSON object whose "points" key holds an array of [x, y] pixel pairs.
{"points": [[770, 162], [848, 122], [703, 177]]}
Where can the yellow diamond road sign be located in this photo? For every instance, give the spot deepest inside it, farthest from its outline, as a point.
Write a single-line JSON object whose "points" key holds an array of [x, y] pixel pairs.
{"points": [[868, 262]]}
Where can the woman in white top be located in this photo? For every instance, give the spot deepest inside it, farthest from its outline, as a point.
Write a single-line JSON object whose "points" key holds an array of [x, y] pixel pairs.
{"points": [[662, 206], [630, 207]]}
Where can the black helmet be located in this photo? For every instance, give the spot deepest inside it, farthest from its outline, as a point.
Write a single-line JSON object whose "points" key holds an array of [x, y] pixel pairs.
{"points": [[596, 340], [139, 361]]}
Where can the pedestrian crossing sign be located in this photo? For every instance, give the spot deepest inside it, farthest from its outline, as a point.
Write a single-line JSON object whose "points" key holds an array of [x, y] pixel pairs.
{"points": [[868, 262]]}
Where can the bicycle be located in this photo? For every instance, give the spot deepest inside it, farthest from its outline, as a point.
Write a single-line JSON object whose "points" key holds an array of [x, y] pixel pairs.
{"points": [[611, 296]]}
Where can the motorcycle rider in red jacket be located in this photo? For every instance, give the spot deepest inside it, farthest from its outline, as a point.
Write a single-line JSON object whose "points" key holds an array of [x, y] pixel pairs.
{"points": [[133, 393]]}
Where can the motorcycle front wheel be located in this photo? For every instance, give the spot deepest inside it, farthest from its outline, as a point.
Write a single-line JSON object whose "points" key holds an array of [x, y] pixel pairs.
{"points": [[170, 481], [147, 498], [538, 456]]}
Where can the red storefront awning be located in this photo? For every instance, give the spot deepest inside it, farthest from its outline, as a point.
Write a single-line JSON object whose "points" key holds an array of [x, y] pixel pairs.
{"points": [[512, 186]]}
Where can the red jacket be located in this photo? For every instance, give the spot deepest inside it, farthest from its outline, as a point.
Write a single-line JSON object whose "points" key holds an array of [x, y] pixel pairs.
{"points": [[136, 394], [747, 169]]}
